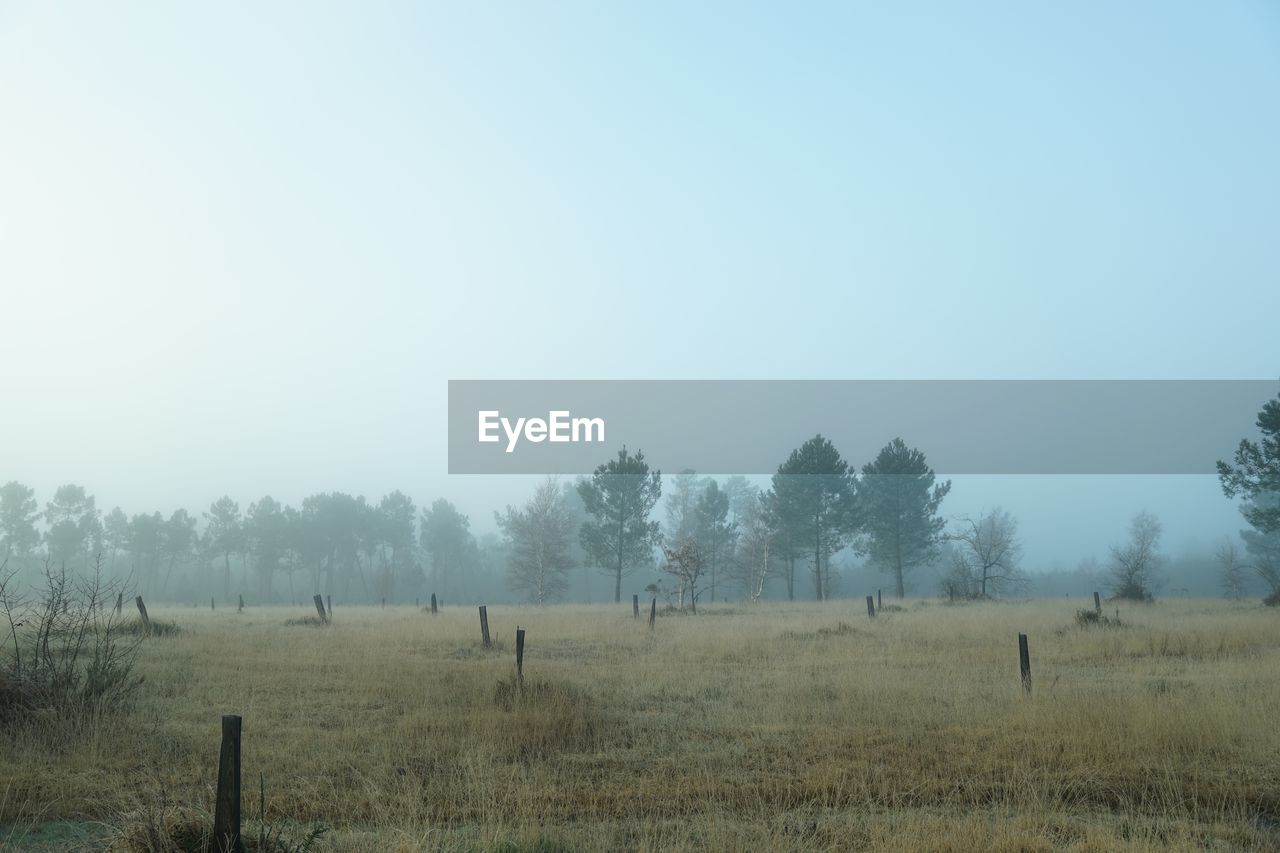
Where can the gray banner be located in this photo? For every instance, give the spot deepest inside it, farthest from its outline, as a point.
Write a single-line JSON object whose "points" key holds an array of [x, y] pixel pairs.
{"points": [[750, 426]]}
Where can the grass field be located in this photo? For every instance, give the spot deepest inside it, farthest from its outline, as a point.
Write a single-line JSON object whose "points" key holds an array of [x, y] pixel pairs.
{"points": [[774, 727]]}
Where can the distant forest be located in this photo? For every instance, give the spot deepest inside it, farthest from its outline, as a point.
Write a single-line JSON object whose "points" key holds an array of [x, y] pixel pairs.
{"points": [[821, 530]]}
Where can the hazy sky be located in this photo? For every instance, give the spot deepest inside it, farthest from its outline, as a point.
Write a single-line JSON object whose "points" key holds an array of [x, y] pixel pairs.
{"points": [[243, 246]]}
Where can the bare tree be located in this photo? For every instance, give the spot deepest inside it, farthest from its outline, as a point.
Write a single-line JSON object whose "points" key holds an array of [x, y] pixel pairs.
{"points": [[1134, 565], [684, 562], [986, 555], [1231, 569]]}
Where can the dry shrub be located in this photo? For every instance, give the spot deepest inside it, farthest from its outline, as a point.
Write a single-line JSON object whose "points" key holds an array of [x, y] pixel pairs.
{"points": [[163, 829], [1094, 619], [65, 658], [159, 628], [160, 828]]}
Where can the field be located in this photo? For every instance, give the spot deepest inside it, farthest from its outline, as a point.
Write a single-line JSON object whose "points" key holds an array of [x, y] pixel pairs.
{"points": [[770, 727]]}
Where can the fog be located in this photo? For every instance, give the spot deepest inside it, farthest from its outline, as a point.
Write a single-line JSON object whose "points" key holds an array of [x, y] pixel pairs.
{"points": [[255, 277]]}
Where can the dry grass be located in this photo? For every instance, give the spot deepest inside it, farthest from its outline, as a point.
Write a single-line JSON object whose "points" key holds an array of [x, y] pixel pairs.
{"points": [[779, 727]]}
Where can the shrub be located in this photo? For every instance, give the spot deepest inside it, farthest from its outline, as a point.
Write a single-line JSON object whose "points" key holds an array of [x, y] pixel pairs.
{"points": [[162, 828], [66, 656], [1094, 619], [159, 628], [1132, 592]]}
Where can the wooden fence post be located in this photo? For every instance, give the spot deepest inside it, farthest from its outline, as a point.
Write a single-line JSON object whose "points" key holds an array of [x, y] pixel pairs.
{"points": [[484, 625], [324, 617], [1097, 603], [226, 816], [433, 604], [871, 607], [1024, 662], [146, 620], [328, 602], [519, 658], [211, 607], [653, 612], [635, 606], [879, 600], [119, 602], [241, 608], [384, 604]]}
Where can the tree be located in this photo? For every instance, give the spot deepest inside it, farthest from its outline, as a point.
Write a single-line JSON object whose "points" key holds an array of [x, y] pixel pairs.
{"points": [[225, 535], [146, 541], [1134, 565], [744, 497], [18, 514], [332, 532], [266, 532], [446, 537], [577, 517], [618, 535], [540, 539], [898, 502], [398, 515], [753, 560], [115, 534], [712, 529], [786, 535], [985, 558], [1264, 556], [684, 562], [177, 540], [1256, 473], [1230, 568], [73, 525], [681, 505], [814, 503]]}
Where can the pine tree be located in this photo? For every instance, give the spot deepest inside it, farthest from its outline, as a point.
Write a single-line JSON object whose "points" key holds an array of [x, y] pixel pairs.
{"points": [[813, 498], [898, 502], [618, 535]]}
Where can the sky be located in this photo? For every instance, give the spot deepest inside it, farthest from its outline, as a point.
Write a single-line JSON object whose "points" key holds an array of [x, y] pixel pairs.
{"points": [[243, 247]]}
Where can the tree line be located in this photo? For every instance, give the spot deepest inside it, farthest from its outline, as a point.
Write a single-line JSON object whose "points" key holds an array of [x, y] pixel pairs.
{"points": [[716, 536]]}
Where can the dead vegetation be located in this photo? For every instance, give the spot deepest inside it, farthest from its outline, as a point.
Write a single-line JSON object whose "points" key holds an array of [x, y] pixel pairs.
{"points": [[65, 659], [787, 727]]}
